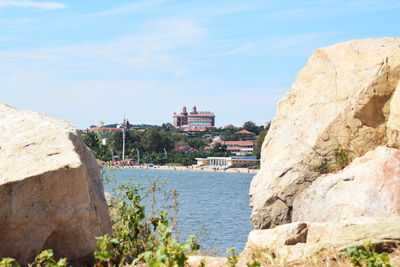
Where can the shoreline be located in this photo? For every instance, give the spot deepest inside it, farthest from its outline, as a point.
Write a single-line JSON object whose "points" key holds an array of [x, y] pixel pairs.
{"points": [[188, 168]]}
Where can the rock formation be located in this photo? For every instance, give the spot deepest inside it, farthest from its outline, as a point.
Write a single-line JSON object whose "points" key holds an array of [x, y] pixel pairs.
{"points": [[341, 99], [315, 239], [370, 187], [51, 195]]}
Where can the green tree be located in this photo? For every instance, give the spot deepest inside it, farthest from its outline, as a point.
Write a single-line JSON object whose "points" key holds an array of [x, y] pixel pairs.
{"points": [[197, 142], [156, 140], [258, 144], [167, 126], [93, 141], [251, 126]]}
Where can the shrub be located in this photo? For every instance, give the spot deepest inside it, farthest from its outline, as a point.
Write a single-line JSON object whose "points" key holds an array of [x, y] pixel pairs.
{"points": [[140, 238], [233, 258], [44, 259], [366, 256]]}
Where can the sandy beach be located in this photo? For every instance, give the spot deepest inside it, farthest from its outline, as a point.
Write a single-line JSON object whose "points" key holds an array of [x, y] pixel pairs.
{"points": [[189, 168]]}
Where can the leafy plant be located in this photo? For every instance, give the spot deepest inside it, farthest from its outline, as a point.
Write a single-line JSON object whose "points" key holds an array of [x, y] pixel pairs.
{"points": [[46, 259], [253, 264], [233, 258], [367, 256], [9, 262], [106, 252], [168, 252], [132, 233], [140, 237]]}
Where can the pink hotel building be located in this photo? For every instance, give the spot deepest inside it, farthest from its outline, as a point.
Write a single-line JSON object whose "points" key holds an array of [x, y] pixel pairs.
{"points": [[194, 118]]}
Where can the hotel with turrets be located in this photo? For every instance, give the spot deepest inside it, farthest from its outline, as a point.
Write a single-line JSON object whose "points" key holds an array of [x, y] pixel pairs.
{"points": [[194, 118]]}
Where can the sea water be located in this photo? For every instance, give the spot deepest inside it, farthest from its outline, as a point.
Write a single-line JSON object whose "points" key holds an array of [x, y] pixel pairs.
{"points": [[212, 205]]}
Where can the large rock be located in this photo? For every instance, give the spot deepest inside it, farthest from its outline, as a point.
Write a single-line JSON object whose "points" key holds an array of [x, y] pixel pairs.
{"points": [[331, 239], [369, 187], [341, 100], [51, 196]]}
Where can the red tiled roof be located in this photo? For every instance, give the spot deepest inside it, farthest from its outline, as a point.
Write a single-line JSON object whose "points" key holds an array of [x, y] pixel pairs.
{"points": [[245, 132]]}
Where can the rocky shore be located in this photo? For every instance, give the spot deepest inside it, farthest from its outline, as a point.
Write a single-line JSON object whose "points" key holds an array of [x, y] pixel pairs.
{"points": [[330, 164]]}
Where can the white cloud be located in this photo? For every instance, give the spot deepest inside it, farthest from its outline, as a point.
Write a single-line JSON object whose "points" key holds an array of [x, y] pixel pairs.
{"points": [[48, 5], [157, 48], [131, 7], [323, 9], [240, 49]]}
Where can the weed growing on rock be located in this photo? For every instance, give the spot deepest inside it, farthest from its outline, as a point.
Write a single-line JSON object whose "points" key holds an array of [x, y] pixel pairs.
{"points": [[341, 158]]}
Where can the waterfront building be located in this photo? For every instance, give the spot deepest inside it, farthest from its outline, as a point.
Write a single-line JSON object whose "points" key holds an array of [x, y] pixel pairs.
{"points": [[228, 162], [194, 119], [239, 148]]}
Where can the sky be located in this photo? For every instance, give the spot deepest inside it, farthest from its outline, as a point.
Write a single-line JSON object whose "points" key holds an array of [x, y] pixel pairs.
{"points": [[91, 61]]}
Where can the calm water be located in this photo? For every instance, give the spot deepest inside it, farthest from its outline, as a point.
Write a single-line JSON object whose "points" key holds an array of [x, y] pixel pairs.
{"points": [[214, 206]]}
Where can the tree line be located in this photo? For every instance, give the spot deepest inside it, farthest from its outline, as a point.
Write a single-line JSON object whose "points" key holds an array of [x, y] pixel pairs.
{"points": [[156, 144]]}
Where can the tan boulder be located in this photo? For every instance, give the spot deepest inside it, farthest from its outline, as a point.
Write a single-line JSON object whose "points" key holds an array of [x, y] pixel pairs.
{"points": [[324, 240], [51, 195], [287, 234], [340, 100], [369, 187]]}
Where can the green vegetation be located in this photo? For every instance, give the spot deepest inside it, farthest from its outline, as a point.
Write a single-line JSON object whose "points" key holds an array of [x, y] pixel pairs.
{"points": [[233, 258], [366, 256], [258, 144], [140, 237], [341, 158], [44, 259]]}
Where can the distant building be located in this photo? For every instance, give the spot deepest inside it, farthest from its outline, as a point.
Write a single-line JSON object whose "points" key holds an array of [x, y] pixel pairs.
{"points": [[194, 119], [228, 162], [239, 148]]}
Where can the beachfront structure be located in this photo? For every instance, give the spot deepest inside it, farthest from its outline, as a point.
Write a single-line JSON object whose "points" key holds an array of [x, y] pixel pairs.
{"points": [[239, 148], [228, 162], [194, 118]]}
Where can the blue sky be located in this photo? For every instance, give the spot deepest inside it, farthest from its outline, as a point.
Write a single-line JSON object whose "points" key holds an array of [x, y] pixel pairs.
{"points": [[90, 61]]}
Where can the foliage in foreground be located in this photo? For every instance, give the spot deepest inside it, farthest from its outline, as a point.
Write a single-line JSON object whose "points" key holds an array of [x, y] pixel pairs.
{"points": [[140, 238], [44, 259], [367, 256]]}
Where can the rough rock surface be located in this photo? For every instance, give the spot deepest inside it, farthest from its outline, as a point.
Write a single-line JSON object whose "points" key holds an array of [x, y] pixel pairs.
{"points": [[331, 237], [369, 187], [393, 124], [340, 98], [51, 195]]}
